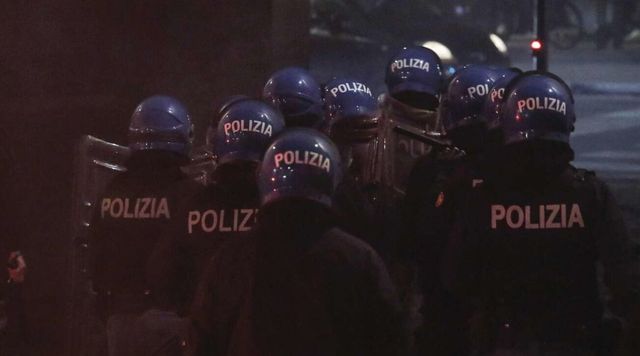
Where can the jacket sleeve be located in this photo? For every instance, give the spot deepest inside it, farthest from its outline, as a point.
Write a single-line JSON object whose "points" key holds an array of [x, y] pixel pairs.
{"points": [[464, 252], [201, 328], [168, 271], [388, 330]]}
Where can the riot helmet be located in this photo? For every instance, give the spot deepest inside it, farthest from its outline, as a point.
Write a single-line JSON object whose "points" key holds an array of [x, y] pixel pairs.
{"points": [[537, 105], [490, 113], [301, 163], [414, 77], [350, 109], [213, 123], [297, 95], [245, 130], [466, 93], [161, 123]]}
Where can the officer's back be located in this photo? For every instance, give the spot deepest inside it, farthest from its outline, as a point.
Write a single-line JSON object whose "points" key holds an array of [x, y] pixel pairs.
{"points": [[528, 239], [350, 114], [298, 285], [135, 208], [226, 208]]}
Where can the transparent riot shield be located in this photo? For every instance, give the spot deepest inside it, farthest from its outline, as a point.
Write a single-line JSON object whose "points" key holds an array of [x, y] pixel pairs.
{"points": [[96, 162], [391, 159], [397, 148]]}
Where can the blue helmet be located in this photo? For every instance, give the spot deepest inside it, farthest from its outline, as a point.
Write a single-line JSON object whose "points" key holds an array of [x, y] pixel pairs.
{"points": [[414, 69], [350, 109], [537, 105], [490, 112], [467, 90], [213, 123], [301, 163], [245, 130], [296, 94], [161, 123]]}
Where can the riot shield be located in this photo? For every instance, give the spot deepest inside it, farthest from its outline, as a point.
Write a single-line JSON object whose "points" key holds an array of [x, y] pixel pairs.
{"points": [[96, 162], [398, 147]]}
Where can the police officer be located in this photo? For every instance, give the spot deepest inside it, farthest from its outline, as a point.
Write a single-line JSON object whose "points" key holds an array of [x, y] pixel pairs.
{"points": [[428, 208], [414, 79], [462, 107], [297, 285], [350, 111], [131, 214], [468, 113], [414, 82], [528, 240], [225, 209], [297, 95]]}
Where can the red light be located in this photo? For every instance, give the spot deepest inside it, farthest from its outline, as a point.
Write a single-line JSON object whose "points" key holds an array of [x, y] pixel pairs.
{"points": [[536, 45]]}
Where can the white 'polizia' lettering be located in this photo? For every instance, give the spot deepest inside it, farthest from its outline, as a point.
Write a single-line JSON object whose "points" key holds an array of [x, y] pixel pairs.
{"points": [[549, 216], [303, 157], [496, 94], [260, 127], [410, 63], [140, 208], [224, 220], [545, 103], [350, 87], [478, 90]]}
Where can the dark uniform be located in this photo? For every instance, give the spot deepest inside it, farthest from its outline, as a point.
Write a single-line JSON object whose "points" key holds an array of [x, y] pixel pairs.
{"points": [[297, 285], [137, 206], [414, 82], [355, 207], [134, 211], [526, 256], [428, 215], [218, 212], [528, 242], [350, 115], [224, 210]]}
